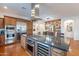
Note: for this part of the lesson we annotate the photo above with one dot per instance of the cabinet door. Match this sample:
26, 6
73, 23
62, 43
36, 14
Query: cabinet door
29, 28
2, 39
58, 52
1, 23
23, 41
13, 21
10, 21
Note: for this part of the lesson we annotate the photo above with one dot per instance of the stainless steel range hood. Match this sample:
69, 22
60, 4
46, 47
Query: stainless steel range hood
35, 12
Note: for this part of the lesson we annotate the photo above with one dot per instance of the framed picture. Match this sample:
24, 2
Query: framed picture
70, 27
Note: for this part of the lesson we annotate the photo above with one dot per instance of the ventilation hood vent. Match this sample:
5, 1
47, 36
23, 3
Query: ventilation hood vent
36, 19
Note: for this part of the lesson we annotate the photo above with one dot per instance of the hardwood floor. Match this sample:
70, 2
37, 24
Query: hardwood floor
13, 50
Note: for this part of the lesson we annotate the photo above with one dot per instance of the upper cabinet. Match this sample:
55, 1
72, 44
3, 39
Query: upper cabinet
9, 20
1, 23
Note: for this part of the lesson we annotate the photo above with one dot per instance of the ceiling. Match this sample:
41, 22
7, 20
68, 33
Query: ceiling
45, 9
20, 9
59, 9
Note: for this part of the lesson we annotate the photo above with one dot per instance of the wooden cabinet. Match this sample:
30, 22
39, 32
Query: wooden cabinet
2, 40
1, 23
58, 52
23, 41
12, 21
29, 28
29, 25
9, 20
2, 37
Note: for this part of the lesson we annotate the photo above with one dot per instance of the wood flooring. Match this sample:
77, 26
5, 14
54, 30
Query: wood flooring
13, 50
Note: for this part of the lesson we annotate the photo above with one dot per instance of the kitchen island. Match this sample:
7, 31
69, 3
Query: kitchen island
49, 41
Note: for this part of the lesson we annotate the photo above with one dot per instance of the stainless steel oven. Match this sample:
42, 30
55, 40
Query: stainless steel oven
30, 44
10, 34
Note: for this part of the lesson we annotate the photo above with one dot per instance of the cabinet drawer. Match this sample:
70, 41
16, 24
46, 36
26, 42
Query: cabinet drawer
55, 54
58, 52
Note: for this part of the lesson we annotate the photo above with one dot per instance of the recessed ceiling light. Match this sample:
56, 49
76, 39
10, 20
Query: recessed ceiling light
37, 6
5, 7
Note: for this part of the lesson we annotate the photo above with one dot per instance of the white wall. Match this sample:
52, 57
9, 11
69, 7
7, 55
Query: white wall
75, 33
76, 28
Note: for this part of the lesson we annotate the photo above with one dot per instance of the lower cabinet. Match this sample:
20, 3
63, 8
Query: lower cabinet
39, 48
2, 40
58, 52
23, 41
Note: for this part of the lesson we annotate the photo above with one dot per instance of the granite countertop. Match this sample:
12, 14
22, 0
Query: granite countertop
49, 41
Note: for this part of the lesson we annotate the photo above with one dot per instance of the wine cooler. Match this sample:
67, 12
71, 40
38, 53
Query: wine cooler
43, 49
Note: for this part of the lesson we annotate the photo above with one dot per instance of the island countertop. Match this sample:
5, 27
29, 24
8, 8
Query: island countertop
49, 40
